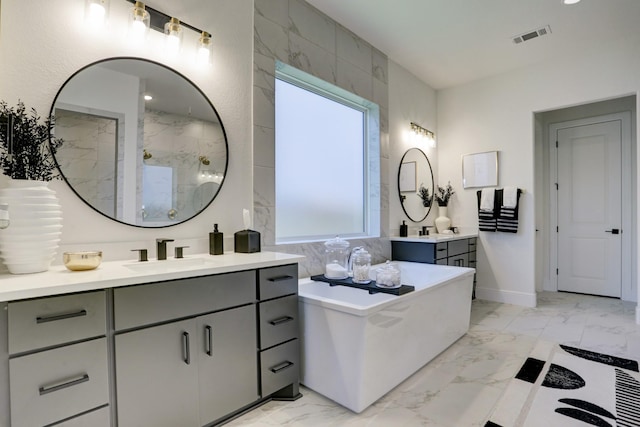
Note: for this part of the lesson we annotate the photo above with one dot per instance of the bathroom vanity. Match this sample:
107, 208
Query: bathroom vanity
443, 249
187, 342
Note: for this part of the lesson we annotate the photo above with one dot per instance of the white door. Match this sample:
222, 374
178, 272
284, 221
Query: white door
589, 209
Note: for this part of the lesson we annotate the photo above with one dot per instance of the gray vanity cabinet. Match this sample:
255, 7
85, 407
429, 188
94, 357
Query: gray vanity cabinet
155, 386
227, 362
279, 326
58, 364
187, 372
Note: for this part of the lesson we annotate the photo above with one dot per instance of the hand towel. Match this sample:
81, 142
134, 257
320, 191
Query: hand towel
487, 218
487, 198
507, 218
510, 197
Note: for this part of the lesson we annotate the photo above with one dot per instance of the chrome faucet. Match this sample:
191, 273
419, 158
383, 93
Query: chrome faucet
161, 248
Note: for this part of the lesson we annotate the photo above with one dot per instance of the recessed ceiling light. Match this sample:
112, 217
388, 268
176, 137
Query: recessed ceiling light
570, 1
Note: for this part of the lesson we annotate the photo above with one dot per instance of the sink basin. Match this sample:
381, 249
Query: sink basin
169, 265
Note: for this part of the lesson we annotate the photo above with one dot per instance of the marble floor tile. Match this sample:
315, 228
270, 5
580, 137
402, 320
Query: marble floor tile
461, 386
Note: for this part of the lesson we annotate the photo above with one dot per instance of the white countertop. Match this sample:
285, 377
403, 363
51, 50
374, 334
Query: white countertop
434, 238
58, 280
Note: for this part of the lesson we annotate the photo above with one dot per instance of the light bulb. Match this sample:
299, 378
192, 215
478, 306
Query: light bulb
173, 33
139, 23
203, 49
96, 13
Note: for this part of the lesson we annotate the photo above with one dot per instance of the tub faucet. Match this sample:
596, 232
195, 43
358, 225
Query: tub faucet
161, 248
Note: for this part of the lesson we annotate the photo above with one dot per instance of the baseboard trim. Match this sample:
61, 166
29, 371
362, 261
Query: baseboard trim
508, 297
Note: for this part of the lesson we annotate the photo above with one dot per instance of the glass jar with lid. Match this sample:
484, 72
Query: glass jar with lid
336, 258
388, 276
361, 263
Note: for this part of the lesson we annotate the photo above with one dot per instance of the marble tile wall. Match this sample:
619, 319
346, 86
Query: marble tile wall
88, 156
178, 141
296, 33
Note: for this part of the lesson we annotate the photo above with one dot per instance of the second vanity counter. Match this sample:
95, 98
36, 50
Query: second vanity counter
434, 238
58, 280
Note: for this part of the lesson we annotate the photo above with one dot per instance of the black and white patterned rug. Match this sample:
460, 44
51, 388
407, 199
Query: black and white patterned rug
563, 386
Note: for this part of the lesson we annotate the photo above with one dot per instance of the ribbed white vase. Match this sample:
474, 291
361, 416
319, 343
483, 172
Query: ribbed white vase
442, 222
30, 243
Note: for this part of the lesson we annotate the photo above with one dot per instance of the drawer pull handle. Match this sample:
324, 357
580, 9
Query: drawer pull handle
186, 352
281, 320
45, 319
441, 250
281, 367
280, 278
209, 340
51, 389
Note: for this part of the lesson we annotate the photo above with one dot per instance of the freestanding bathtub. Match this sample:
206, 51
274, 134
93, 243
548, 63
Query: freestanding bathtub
356, 347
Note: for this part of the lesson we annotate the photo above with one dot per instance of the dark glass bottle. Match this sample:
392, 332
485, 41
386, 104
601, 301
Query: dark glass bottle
216, 242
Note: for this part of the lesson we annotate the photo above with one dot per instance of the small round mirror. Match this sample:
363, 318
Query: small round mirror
415, 184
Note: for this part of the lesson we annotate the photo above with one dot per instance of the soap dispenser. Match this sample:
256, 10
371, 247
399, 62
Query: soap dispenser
404, 230
216, 242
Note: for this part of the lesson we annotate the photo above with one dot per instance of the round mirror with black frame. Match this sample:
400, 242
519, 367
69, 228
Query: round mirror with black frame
143, 145
415, 184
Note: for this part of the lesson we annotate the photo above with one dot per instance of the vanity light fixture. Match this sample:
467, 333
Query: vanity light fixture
424, 134
143, 18
148, 97
95, 12
570, 1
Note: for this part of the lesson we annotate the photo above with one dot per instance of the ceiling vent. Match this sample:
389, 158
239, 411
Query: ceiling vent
532, 35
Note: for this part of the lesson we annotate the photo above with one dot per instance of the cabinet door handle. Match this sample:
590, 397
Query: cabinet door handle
281, 367
280, 278
50, 389
208, 336
186, 351
53, 318
281, 320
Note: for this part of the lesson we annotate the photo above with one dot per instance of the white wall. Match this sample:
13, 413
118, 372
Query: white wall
410, 100
497, 113
40, 49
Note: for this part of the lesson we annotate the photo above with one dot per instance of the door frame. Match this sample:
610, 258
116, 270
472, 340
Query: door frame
626, 291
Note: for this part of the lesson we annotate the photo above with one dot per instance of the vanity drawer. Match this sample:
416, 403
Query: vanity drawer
278, 321
441, 250
158, 302
280, 366
56, 384
45, 322
457, 247
459, 260
98, 418
278, 281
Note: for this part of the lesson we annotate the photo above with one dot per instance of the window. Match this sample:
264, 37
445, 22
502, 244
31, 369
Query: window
327, 160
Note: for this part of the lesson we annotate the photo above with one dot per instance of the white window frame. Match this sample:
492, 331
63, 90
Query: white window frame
371, 149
